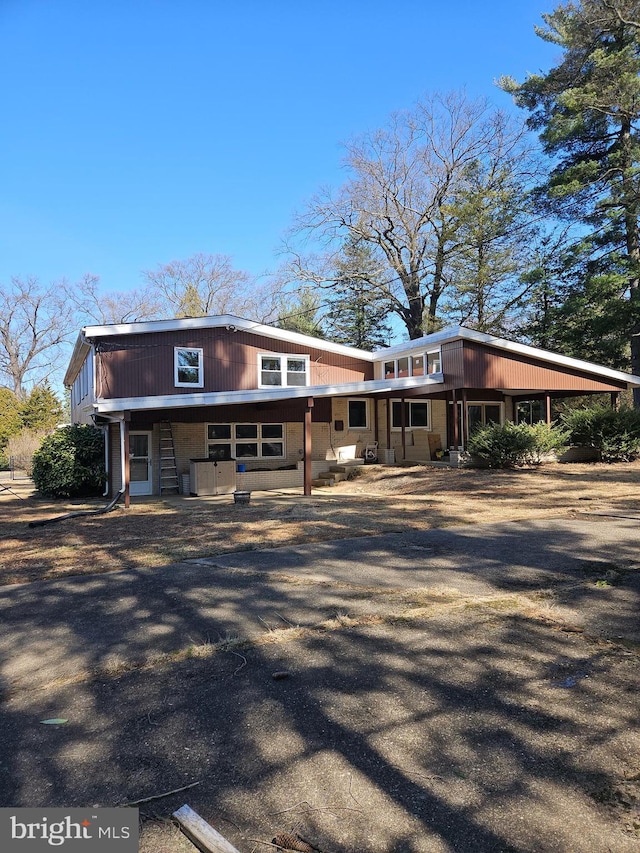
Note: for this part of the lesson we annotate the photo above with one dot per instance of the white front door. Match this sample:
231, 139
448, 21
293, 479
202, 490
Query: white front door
140, 469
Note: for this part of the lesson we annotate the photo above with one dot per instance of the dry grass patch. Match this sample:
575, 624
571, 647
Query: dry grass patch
381, 500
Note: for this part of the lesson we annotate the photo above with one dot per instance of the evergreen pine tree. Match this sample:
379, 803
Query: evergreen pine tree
42, 409
300, 313
587, 110
358, 311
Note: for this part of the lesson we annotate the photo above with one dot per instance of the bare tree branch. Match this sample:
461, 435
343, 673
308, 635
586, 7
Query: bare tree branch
35, 322
401, 199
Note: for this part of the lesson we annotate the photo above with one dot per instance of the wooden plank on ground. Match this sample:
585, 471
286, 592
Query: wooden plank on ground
201, 833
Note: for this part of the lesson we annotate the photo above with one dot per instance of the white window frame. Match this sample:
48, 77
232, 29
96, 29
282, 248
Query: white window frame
366, 414
260, 440
483, 403
436, 351
176, 366
283, 356
409, 426
410, 356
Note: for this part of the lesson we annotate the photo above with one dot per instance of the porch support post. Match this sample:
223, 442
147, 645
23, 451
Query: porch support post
124, 450
376, 422
388, 423
464, 427
307, 447
456, 424
547, 408
615, 400
403, 427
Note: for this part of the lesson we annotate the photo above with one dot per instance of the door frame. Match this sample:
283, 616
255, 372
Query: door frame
142, 487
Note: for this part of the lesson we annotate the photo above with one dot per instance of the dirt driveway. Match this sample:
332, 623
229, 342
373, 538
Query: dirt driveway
424, 708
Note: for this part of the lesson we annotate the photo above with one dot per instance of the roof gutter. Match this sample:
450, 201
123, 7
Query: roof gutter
219, 398
81, 350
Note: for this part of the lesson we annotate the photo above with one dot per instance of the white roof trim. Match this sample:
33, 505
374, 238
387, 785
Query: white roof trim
80, 351
447, 335
224, 321
262, 395
453, 333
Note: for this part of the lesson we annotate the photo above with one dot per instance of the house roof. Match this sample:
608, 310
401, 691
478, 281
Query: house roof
453, 333
225, 321
231, 322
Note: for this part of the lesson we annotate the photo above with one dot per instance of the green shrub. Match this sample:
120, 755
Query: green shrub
507, 445
548, 440
70, 463
502, 445
614, 434
10, 422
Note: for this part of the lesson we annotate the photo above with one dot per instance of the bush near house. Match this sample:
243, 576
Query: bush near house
509, 445
614, 434
70, 463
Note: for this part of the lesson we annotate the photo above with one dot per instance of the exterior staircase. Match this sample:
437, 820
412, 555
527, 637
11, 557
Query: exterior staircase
168, 470
336, 473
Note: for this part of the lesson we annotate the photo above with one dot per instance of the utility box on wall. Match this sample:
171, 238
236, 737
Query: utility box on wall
212, 478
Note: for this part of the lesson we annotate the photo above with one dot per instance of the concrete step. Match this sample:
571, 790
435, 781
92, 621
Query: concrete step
346, 467
333, 476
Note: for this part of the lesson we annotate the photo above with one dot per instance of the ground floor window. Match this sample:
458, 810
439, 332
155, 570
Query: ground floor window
245, 441
358, 414
531, 412
481, 414
416, 414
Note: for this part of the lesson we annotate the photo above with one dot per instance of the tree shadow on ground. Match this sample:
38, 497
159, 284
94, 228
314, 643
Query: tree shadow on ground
468, 728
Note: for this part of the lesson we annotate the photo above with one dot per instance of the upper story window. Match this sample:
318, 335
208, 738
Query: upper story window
83, 383
188, 367
282, 370
413, 365
434, 362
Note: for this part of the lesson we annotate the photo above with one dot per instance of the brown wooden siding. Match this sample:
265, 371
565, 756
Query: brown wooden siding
260, 413
489, 368
143, 365
452, 366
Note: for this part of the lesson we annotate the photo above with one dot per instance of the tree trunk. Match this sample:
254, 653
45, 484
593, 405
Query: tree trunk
437, 286
632, 238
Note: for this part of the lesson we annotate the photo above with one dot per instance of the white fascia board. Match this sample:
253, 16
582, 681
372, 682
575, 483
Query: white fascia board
224, 321
460, 333
80, 351
188, 401
418, 344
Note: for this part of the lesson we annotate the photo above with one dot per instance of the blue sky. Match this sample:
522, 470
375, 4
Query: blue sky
139, 132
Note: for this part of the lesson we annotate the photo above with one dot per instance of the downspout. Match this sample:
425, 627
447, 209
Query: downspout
122, 454
105, 433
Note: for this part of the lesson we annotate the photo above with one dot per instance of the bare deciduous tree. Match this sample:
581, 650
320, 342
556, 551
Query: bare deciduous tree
119, 306
35, 322
207, 284
402, 200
